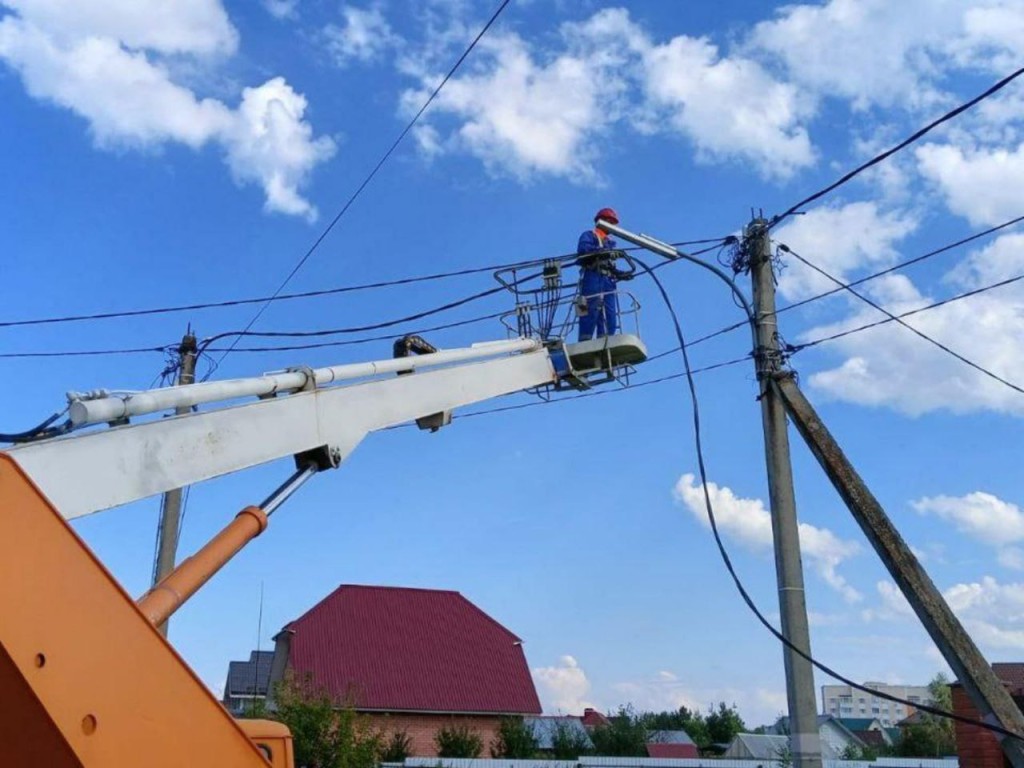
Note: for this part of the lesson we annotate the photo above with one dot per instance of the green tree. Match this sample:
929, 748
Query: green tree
458, 740
853, 752
514, 740
784, 757
625, 735
396, 747
682, 719
931, 736
723, 723
568, 743
325, 735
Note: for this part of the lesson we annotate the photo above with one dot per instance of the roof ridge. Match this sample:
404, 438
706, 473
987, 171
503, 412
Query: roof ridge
398, 589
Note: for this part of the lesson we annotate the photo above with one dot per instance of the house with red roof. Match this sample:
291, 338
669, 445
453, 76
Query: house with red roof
413, 660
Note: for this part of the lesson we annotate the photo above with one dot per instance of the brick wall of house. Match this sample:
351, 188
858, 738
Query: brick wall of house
976, 747
421, 729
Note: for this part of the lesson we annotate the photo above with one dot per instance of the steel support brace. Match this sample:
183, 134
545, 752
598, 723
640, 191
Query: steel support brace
987, 692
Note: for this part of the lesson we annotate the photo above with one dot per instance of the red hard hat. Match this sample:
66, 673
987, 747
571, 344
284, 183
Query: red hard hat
608, 214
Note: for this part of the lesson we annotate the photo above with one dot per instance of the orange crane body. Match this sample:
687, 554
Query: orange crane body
86, 678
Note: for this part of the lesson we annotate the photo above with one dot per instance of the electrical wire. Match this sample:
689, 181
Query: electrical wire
867, 278
39, 431
84, 352
369, 339
904, 264
177, 308
945, 348
601, 392
935, 305
731, 569
355, 195
261, 299
893, 150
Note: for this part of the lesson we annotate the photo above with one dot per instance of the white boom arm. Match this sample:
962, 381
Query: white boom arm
92, 471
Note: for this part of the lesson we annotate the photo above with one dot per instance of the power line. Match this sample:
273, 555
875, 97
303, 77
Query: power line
205, 348
353, 329
867, 326
904, 264
176, 308
83, 353
261, 299
891, 316
600, 392
902, 145
373, 172
859, 281
367, 339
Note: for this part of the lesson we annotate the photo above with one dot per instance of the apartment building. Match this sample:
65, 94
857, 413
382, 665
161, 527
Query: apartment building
844, 702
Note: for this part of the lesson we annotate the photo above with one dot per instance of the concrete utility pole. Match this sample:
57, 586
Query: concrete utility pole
987, 692
170, 506
805, 742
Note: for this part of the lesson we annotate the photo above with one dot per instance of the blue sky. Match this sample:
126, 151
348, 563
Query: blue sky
196, 156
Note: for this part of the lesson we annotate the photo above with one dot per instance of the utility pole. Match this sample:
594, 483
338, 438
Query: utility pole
805, 742
170, 506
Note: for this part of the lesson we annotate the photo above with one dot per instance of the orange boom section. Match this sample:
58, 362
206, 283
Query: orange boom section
85, 678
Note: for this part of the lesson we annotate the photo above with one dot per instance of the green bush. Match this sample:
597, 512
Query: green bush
325, 735
396, 747
458, 740
568, 743
515, 740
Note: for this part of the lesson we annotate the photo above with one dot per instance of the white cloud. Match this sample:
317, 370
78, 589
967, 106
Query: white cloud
1001, 259
730, 107
891, 366
980, 515
103, 63
868, 239
519, 116
977, 183
893, 607
184, 26
992, 612
984, 517
564, 688
270, 143
747, 521
364, 36
524, 109
281, 9
823, 46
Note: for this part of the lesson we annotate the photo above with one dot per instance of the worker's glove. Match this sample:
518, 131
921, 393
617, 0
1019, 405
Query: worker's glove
620, 276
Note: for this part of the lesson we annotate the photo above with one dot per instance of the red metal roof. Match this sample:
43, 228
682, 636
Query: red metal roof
398, 649
672, 750
593, 719
1010, 672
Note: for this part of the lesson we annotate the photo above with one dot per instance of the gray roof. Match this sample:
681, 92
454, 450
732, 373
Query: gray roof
545, 728
249, 678
669, 737
762, 747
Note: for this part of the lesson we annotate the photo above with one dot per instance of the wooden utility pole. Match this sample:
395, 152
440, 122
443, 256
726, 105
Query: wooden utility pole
805, 742
170, 506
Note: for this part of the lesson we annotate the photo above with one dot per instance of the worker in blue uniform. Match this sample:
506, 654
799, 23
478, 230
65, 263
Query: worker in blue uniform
596, 253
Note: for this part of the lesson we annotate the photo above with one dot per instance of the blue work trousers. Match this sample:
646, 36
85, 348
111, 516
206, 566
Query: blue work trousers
602, 305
